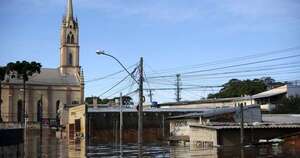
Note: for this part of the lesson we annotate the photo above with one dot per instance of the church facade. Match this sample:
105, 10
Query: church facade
53, 88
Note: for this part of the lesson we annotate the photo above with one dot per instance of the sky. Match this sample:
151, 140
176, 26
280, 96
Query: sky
173, 36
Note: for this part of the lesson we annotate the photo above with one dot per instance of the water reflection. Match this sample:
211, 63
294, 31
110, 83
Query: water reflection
50, 147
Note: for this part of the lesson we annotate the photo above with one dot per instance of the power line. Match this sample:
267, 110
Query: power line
240, 71
109, 75
115, 85
230, 66
119, 82
258, 55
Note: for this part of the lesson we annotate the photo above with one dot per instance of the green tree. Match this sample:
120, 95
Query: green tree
237, 88
23, 70
89, 100
288, 105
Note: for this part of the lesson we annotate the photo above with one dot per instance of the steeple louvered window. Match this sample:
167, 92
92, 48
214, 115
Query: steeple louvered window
70, 38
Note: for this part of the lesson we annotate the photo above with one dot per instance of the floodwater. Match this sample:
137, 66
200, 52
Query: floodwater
50, 147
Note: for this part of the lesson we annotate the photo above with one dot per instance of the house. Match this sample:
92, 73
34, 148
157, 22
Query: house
269, 99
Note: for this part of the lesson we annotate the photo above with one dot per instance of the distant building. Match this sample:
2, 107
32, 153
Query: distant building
210, 103
269, 99
180, 125
53, 88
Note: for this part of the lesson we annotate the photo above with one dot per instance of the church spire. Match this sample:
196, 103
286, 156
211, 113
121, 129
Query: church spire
70, 10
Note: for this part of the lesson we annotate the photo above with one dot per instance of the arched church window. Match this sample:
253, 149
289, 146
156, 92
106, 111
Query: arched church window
20, 110
72, 38
39, 111
68, 39
57, 105
70, 59
57, 113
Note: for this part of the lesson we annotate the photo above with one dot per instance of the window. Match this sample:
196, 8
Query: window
39, 111
70, 59
20, 110
70, 38
75, 102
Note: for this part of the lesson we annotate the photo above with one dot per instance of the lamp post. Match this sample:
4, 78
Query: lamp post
141, 100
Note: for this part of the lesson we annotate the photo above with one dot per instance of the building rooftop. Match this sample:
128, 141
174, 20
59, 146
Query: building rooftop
272, 92
117, 109
49, 76
218, 127
281, 118
214, 100
213, 112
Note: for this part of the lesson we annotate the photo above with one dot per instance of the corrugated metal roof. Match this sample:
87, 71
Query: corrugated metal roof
117, 109
281, 118
247, 126
213, 112
214, 100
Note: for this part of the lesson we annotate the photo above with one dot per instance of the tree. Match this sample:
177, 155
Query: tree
237, 88
288, 105
89, 100
23, 70
2, 78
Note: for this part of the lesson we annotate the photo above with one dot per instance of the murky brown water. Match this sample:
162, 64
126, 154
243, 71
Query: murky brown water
50, 147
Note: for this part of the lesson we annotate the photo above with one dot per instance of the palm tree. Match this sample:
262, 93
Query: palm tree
23, 70
2, 77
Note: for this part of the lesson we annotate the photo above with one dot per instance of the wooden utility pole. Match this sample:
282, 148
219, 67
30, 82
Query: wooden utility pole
140, 115
150, 95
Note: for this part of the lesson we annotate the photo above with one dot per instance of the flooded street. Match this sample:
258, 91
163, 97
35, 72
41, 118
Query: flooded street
52, 147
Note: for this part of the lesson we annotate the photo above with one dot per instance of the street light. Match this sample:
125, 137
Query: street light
141, 100
101, 52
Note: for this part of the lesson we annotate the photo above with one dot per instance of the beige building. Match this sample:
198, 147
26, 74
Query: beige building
53, 88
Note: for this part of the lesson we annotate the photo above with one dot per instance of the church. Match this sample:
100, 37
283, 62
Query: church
53, 88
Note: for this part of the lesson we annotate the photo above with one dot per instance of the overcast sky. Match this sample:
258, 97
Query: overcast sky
167, 33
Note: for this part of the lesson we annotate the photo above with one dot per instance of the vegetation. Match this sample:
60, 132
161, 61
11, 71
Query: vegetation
125, 100
23, 70
237, 88
290, 105
89, 100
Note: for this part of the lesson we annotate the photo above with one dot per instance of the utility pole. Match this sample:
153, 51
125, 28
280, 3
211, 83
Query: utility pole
140, 115
178, 88
121, 124
150, 95
242, 124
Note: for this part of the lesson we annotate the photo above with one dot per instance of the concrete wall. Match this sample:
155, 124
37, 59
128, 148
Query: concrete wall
203, 137
181, 127
76, 113
250, 115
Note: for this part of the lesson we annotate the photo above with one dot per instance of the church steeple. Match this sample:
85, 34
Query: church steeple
69, 41
69, 14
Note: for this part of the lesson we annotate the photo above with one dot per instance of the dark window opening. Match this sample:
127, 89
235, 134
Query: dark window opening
70, 59
20, 111
70, 38
39, 111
